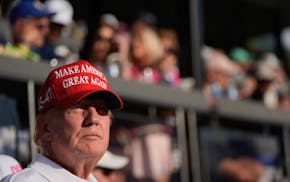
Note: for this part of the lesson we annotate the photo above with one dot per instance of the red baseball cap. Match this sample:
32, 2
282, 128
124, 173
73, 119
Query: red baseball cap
68, 84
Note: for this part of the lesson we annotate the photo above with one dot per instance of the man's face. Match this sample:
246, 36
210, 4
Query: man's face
80, 130
43, 26
25, 31
55, 32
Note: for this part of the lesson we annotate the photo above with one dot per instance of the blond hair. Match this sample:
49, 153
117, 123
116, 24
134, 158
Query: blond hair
150, 40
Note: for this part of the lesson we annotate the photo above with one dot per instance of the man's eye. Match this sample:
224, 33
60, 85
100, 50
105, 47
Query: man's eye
85, 107
102, 111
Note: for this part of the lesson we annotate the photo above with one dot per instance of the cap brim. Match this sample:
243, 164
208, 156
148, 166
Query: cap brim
43, 13
27, 9
112, 161
113, 100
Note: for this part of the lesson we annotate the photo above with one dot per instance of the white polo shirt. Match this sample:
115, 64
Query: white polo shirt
42, 169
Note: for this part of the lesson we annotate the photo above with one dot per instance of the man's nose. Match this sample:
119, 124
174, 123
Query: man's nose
92, 116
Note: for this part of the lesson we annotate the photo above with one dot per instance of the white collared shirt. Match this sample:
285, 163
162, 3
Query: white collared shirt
42, 169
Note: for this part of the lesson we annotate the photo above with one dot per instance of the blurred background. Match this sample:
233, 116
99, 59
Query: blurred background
205, 83
224, 24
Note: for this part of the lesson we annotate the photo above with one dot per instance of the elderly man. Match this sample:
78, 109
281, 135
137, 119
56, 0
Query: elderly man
73, 124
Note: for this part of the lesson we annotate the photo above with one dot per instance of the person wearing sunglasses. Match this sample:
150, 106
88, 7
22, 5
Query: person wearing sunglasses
72, 126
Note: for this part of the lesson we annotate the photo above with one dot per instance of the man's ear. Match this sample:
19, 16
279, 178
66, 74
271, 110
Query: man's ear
42, 126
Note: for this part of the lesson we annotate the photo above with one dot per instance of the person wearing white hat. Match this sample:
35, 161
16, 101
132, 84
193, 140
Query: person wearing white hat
63, 10
108, 168
62, 19
8, 165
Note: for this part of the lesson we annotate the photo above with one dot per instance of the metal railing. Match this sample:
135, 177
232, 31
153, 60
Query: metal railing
186, 104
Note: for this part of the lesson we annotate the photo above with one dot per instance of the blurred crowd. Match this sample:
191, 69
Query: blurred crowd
239, 75
48, 32
144, 52
140, 51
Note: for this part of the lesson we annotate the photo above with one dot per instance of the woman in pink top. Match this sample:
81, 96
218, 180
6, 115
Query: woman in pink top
146, 52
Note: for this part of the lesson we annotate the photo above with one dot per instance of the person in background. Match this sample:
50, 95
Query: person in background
246, 81
146, 52
109, 168
72, 126
52, 49
8, 165
27, 31
247, 169
119, 60
220, 74
270, 78
104, 41
109, 49
168, 67
243, 169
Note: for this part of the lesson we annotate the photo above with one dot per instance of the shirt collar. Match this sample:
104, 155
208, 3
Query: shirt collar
54, 172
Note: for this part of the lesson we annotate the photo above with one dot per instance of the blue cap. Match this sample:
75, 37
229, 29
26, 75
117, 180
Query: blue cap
28, 8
